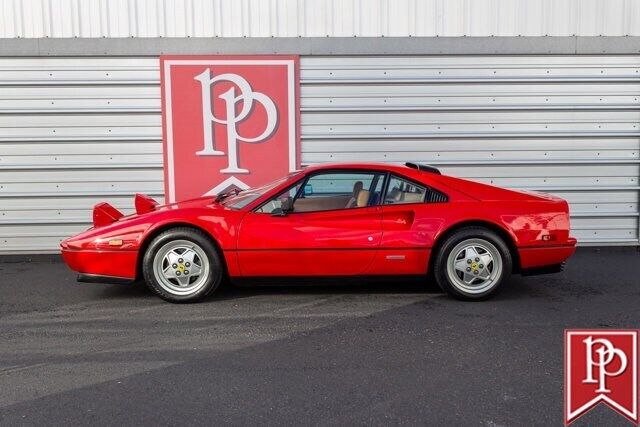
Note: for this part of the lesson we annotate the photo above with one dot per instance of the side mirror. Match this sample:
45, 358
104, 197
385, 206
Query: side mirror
286, 204
285, 207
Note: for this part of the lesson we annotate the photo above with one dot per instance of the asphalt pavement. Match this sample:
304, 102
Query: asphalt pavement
397, 352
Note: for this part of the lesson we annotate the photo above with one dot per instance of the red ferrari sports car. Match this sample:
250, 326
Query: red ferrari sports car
334, 220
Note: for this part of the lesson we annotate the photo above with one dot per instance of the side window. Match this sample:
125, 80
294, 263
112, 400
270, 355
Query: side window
339, 190
401, 191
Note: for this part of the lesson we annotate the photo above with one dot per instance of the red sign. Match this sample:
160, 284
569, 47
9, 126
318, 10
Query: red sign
601, 366
228, 122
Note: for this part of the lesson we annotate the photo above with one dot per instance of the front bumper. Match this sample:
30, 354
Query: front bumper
119, 264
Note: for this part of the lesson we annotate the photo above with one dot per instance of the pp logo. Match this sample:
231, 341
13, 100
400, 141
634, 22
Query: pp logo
601, 366
245, 99
228, 122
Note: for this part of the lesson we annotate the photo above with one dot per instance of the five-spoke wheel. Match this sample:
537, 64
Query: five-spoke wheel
472, 263
182, 265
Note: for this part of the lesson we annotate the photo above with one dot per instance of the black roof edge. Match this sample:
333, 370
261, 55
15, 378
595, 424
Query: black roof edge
423, 168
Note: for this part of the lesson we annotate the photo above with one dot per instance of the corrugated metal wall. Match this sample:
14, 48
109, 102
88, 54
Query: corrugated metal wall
308, 18
75, 131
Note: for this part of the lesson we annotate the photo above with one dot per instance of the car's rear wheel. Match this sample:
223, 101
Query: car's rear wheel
472, 264
182, 265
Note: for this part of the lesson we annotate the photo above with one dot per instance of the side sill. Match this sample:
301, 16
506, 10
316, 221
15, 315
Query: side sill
97, 278
251, 281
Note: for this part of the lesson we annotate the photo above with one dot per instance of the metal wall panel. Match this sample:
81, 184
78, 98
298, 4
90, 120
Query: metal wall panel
568, 125
76, 131
317, 18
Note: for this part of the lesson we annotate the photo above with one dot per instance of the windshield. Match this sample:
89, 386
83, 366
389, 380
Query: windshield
243, 198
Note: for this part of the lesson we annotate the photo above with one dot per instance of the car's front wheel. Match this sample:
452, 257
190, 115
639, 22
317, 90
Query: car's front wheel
472, 264
182, 265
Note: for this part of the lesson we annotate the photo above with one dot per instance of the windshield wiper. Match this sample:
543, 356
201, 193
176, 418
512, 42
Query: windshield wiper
220, 197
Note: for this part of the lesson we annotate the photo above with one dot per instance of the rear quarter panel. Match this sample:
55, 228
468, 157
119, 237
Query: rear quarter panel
531, 220
526, 222
414, 230
525, 216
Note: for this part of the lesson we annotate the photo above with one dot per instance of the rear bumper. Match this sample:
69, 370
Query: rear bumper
546, 256
113, 264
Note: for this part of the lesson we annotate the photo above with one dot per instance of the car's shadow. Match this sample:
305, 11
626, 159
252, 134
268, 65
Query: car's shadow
247, 289
517, 288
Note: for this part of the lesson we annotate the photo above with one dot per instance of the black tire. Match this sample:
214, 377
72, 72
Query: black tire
209, 281
483, 237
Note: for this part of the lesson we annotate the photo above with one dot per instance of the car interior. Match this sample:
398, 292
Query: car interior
343, 190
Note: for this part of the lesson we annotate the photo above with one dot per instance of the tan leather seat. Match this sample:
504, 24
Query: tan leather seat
353, 201
363, 198
413, 197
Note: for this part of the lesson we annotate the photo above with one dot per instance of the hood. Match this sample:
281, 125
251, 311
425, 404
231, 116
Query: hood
105, 214
191, 203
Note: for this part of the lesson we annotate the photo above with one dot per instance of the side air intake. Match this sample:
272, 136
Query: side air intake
434, 196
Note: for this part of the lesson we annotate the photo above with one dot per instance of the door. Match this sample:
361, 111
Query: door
332, 227
409, 224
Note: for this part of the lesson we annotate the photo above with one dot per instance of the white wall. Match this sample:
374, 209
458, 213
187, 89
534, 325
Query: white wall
309, 18
76, 131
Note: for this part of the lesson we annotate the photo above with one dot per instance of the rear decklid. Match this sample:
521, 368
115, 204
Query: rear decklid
487, 192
